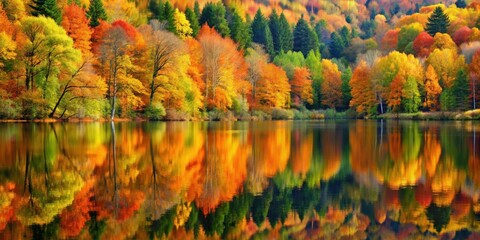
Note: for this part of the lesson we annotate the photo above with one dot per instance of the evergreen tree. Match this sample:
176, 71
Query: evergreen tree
337, 45
285, 34
169, 17
154, 8
304, 39
239, 30
437, 22
274, 25
460, 91
193, 19
213, 14
96, 12
196, 9
47, 8
461, 4
261, 33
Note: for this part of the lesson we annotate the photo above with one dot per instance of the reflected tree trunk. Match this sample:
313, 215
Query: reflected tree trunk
114, 159
154, 176
45, 157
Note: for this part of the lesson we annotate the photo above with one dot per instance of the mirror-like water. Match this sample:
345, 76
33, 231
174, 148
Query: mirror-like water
352, 179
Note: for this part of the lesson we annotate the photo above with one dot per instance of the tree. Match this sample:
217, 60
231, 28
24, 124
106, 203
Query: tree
314, 64
394, 99
407, 35
438, 22
337, 45
193, 19
302, 85
213, 14
460, 91
168, 17
422, 44
96, 12
332, 84
274, 25
261, 33
76, 24
346, 89
285, 34
432, 89
475, 77
273, 89
304, 38
47, 8
461, 4
182, 25
240, 30
411, 96
363, 95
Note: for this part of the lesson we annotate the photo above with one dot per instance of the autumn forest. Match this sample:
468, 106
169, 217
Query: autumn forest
184, 60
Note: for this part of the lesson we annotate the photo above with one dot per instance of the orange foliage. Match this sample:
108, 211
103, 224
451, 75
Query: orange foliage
363, 95
98, 35
390, 40
75, 22
302, 152
394, 99
195, 69
73, 218
331, 85
302, 85
432, 89
130, 201
332, 152
432, 150
273, 89
423, 195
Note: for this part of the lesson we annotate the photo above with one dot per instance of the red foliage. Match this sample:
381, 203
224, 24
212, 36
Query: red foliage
390, 40
98, 34
462, 35
423, 195
422, 44
129, 29
73, 218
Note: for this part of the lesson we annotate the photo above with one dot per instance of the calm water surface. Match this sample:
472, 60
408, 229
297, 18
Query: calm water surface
318, 180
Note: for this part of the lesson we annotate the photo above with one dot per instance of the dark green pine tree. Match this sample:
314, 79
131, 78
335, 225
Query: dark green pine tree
286, 35
96, 12
437, 22
239, 30
193, 19
460, 91
169, 17
261, 33
156, 9
461, 4
47, 8
213, 14
274, 25
196, 9
337, 45
304, 39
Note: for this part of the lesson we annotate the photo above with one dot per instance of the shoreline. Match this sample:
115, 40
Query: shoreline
471, 115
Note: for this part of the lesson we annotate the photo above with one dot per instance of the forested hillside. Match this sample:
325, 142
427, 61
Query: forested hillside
233, 59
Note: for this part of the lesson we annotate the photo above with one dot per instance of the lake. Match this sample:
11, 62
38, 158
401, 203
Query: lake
275, 179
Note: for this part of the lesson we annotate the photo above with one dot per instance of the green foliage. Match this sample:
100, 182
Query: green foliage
406, 36
214, 222
438, 22
164, 225
96, 227
9, 109
155, 111
282, 114
346, 89
274, 25
337, 45
291, 60
261, 33
304, 38
260, 206
314, 63
33, 105
461, 91
240, 30
410, 96
47, 8
461, 4
96, 12
193, 19
213, 14
285, 34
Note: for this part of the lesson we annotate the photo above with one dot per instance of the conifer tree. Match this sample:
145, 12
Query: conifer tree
239, 30
193, 19
261, 32
274, 25
437, 22
285, 34
213, 14
169, 17
304, 39
47, 8
96, 12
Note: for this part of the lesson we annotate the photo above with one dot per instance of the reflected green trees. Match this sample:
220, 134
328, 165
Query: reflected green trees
355, 179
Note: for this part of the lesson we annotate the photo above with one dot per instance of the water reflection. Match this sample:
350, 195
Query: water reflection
352, 179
